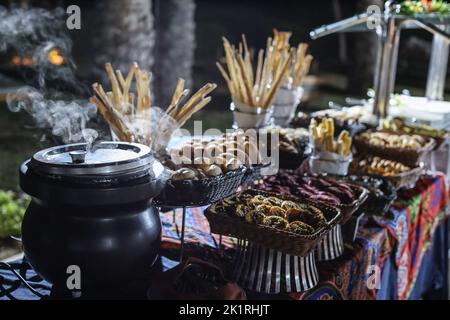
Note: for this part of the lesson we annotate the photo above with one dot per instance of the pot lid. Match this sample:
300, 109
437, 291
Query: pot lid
106, 158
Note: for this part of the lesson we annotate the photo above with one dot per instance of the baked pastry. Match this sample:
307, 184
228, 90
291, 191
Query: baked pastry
255, 216
379, 166
242, 210
286, 205
384, 139
277, 211
275, 222
213, 171
263, 210
300, 228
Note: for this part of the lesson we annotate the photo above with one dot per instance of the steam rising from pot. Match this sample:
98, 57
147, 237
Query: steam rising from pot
66, 120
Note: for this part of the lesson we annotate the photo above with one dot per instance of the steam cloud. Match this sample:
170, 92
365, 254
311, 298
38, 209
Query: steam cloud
67, 120
35, 31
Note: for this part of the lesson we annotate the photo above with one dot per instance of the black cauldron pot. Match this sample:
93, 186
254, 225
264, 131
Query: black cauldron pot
92, 210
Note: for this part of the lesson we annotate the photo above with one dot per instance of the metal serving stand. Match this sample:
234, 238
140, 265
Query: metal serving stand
388, 26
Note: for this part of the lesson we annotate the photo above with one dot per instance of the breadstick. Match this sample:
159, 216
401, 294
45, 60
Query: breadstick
271, 95
114, 85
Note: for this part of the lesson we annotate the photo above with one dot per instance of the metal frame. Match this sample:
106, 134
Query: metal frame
389, 27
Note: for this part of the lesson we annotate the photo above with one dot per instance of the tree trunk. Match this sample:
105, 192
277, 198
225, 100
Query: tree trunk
122, 32
175, 46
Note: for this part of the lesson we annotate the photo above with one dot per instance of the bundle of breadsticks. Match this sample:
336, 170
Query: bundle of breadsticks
301, 61
254, 88
257, 88
322, 136
131, 115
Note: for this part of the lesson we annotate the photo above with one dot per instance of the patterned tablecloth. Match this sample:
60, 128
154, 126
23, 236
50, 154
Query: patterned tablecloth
405, 235
405, 232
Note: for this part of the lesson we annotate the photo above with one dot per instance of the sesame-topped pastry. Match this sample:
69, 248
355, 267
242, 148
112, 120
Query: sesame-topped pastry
264, 208
274, 201
275, 222
242, 210
255, 217
300, 228
286, 205
277, 211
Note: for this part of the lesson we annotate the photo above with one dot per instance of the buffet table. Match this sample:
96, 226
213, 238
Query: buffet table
409, 246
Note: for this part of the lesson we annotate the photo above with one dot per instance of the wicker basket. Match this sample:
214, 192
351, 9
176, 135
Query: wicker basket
408, 157
348, 210
440, 141
379, 205
187, 193
406, 180
375, 204
254, 173
279, 240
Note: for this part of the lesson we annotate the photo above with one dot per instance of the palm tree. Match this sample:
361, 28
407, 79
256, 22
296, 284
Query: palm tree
175, 47
122, 32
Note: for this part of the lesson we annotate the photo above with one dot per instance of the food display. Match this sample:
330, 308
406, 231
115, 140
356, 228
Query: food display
205, 171
329, 155
130, 114
409, 149
379, 166
196, 160
291, 90
254, 88
345, 196
313, 188
273, 212
257, 87
291, 140
342, 121
399, 126
389, 140
301, 62
282, 223
322, 136
399, 174
293, 146
381, 193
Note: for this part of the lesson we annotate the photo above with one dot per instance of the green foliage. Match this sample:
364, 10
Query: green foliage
12, 209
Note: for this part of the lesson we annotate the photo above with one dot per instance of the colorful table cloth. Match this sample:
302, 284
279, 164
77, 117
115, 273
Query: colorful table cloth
397, 242
405, 233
